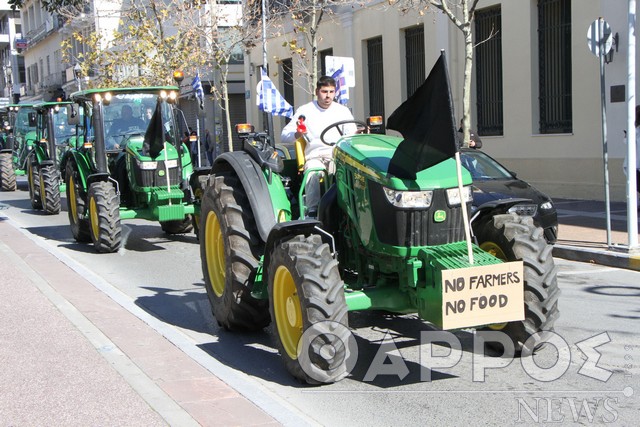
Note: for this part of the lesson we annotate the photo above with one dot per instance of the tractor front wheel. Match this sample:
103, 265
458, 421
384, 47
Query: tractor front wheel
511, 237
50, 190
104, 217
230, 250
7, 173
34, 190
309, 310
76, 205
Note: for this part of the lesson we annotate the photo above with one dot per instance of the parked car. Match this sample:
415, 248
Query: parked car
493, 181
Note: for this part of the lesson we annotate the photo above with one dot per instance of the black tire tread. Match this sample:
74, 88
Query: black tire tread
236, 309
50, 194
107, 203
80, 225
519, 239
321, 294
7, 173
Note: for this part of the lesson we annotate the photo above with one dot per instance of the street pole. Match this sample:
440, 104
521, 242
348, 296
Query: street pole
266, 64
605, 150
632, 201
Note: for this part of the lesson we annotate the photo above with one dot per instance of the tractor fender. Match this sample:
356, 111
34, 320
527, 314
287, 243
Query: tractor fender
84, 169
283, 230
496, 207
255, 187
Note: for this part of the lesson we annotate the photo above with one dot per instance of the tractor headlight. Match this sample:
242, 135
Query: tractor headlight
453, 195
147, 165
524, 209
171, 163
408, 199
546, 205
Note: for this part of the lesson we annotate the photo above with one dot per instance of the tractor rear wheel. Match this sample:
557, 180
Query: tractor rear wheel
511, 237
104, 217
50, 189
7, 173
34, 190
76, 205
230, 251
309, 310
179, 226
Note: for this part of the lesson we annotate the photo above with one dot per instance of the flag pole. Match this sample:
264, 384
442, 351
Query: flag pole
463, 206
265, 62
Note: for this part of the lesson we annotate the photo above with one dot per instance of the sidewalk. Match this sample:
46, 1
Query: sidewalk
582, 233
71, 355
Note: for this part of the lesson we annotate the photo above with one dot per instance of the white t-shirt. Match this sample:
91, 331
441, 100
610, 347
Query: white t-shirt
318, 119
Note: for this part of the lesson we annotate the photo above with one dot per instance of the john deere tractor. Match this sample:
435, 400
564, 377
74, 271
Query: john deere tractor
129, 163
53, 138
19, 142
390, 235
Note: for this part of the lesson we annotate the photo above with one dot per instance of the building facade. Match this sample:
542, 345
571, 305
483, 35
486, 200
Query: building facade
535, 98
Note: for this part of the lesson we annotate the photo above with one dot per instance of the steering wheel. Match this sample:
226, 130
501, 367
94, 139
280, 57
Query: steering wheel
360, 126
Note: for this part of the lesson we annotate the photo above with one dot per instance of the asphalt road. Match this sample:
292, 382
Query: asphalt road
569, 382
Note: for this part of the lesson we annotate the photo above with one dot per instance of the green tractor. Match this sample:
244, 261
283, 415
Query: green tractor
19, 142
54, 136
129, 163
390, 235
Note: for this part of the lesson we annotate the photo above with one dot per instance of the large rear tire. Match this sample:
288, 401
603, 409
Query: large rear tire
104, 217
309, 310
511, 237
76, 205
7, 173
50, 189
230, 250
34, 186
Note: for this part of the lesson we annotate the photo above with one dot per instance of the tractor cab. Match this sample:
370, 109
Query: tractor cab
22, 134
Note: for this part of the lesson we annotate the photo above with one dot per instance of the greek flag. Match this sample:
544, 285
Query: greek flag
196, 84
342, 91
269, 99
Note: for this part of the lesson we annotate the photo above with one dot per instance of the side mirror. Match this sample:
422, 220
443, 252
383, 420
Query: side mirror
73, 118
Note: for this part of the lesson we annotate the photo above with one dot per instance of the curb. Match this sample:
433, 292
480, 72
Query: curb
609, 258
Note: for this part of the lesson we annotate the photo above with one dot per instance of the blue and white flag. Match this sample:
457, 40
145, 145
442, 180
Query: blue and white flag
196, 84
269, 99
342, 91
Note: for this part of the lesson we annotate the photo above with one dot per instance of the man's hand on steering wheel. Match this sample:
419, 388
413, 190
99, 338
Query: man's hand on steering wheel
361, 127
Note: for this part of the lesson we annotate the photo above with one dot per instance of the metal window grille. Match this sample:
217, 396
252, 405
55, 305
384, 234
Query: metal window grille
414, 57
489, 96
322, 63
287, 82
375, 68
554, 57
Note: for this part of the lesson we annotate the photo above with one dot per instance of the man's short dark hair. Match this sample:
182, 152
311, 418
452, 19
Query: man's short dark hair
325, 81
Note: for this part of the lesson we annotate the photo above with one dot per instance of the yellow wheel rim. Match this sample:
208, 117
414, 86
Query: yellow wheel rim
214, 251
30, 178
43, 193
494, 250
93, 213
287, 310
497, 252
72, 200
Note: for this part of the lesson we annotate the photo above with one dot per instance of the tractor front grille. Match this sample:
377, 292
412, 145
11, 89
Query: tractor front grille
156, 177
415, 227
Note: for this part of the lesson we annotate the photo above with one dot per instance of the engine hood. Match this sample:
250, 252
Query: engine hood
372, 153
496, 189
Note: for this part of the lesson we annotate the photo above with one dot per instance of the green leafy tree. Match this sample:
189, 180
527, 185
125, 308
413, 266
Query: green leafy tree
153, 38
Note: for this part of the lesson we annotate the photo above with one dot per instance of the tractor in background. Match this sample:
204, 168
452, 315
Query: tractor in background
18, 143
129, 163
54, 136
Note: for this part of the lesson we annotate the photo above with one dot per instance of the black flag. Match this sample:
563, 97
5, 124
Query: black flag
427, 124
154, 137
